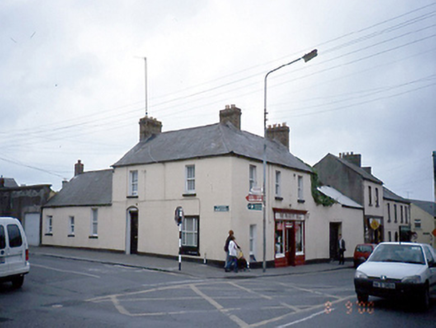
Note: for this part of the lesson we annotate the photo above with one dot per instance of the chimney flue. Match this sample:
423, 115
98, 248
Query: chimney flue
149, 126
231, 114
279, 132
78, 168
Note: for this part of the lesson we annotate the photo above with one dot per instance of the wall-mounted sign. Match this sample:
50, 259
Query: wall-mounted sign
255, 206
221, 208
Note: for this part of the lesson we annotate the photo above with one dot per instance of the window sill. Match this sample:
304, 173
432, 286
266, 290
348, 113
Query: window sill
93, 237
190, 194
301, 201
279, 198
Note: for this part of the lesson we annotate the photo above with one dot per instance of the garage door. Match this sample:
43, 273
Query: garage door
32, 228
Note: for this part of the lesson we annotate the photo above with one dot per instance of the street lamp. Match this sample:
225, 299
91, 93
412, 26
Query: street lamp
306, 58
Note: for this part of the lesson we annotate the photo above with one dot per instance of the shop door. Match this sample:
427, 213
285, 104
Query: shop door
290, 243
133, 232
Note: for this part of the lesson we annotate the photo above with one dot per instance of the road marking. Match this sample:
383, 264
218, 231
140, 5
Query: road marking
304, 319
65, 271
250, 291
219, 307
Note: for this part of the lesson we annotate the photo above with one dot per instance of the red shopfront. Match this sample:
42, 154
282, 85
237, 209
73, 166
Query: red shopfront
289, 237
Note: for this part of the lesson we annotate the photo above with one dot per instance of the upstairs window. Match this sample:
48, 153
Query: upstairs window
376, 198
190, 179
402, 216
133, 183
252, 177
278, 190
94, 222
370, 195
300, 188
395, 213
71, 225
417, 223
389, 212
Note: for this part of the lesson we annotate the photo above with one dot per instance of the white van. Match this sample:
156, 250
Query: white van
14, 252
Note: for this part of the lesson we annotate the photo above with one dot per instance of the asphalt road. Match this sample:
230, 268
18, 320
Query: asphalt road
71, 293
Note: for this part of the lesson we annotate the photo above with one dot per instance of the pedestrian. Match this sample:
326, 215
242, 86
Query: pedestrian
341, 249
226, 247
233, 255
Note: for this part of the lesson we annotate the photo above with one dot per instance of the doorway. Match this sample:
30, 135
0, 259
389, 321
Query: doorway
290, 243
335, 229
133, 231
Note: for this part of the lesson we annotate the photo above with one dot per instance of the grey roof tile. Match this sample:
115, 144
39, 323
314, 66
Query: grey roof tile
207, 141
93, 188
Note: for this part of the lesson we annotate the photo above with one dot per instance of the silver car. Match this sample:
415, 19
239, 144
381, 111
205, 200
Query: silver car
398, 270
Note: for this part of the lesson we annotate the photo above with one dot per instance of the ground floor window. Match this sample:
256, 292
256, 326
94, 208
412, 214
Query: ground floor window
190, 235
253, 233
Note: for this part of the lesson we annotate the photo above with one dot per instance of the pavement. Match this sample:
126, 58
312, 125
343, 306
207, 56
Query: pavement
193, 269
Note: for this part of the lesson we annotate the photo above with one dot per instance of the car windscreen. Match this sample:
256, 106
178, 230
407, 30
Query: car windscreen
398, 253
364, 249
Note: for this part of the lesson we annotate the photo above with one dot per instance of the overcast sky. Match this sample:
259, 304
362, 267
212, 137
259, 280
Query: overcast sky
73, 80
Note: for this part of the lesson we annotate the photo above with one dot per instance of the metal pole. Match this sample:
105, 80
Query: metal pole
180, 246
146, 97
306, 58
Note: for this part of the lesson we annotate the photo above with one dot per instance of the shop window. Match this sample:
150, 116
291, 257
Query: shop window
299, 237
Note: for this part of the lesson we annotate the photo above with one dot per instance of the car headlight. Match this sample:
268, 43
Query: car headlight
360, 275
411, 279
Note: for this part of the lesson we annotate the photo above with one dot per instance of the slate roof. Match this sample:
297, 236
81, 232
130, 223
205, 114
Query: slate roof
207, 141
93, 188
387, 194
364, 174
339, 197
429, 207
10, 183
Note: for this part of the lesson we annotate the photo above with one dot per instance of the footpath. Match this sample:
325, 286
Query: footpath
194, 269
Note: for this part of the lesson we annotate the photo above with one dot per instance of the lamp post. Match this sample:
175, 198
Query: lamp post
306, 58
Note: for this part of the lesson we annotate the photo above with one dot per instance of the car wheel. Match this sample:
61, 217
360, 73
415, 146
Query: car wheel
362, 298
425, 301
18, 281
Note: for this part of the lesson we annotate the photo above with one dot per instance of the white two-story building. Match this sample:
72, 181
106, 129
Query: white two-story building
208, 171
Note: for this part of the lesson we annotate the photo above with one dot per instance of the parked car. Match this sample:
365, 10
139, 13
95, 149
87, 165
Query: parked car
14, 252
398, 270
362, 252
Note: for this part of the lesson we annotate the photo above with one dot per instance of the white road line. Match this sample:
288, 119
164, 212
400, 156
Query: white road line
304, 319
66, 271
219, 307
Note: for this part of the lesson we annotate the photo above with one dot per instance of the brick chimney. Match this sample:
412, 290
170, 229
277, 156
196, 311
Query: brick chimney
231, 114
355, 159
149, 126
78, 168
279, 132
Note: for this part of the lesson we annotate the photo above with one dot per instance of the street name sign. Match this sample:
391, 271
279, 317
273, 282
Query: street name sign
255, 206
